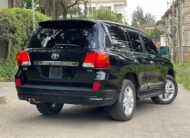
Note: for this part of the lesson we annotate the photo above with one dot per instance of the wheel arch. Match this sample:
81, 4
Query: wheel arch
134, 78
171, 72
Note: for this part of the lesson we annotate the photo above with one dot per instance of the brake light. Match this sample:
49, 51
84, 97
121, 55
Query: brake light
96, 86
89, 61
99, 60
17, 82
23, 58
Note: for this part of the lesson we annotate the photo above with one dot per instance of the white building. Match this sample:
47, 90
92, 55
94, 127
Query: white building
118, 6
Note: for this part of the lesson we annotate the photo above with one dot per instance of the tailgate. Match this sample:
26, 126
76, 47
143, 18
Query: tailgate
58, 67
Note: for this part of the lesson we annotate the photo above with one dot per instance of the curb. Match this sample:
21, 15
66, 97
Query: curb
2, 100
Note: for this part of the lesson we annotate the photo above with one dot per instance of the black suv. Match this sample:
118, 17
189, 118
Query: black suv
91, 62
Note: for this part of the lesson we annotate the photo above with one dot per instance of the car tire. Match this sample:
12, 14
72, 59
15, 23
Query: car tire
49, 108
171, 91
123, 109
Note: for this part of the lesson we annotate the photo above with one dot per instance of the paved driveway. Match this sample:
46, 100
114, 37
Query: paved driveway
21, 120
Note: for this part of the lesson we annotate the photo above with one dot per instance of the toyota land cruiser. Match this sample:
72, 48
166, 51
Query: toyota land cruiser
92, 62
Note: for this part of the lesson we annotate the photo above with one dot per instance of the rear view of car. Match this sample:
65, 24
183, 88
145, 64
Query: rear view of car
63, 64
97, 63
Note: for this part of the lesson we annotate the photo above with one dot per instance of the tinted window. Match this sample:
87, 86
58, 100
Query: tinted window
128, 38
107, 42
149, 46
64, 38
117, 35
135, 42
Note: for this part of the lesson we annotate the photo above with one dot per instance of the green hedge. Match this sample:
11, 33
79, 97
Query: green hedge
105, 14
15, 25
183, 74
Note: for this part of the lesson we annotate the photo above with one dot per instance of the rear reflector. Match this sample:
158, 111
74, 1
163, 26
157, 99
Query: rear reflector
96, 86
99, 60
17, 82
23, 58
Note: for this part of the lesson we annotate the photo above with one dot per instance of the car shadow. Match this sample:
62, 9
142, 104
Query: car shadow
86, 114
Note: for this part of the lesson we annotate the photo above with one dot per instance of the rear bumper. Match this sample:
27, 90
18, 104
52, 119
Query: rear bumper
68, 95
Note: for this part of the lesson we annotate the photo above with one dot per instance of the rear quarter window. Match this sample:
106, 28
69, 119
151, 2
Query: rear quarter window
117, 36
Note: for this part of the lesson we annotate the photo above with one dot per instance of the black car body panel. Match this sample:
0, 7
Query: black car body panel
57, 74
71, 95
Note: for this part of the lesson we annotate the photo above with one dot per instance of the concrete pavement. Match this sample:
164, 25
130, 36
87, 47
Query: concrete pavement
18, 119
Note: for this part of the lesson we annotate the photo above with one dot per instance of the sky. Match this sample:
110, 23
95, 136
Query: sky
155, 7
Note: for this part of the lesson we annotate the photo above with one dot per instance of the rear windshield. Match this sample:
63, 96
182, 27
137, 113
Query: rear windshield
64, 38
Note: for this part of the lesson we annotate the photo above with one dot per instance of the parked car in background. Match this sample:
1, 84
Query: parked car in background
90, 62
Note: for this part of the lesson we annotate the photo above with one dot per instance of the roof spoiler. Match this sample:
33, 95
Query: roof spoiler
67, 24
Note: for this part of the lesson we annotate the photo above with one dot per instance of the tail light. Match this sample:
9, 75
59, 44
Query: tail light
96, 86
23, 58
17, 82
99, 60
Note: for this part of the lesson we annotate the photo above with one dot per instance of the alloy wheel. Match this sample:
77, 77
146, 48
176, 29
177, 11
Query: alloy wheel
128, 101
169, 91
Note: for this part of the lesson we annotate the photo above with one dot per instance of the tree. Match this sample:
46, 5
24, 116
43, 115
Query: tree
50, 8
85, 2
39, 5
67, 6
149, 19
15, 3
105, 14
75, 11
155, 34
53, 8
139, 18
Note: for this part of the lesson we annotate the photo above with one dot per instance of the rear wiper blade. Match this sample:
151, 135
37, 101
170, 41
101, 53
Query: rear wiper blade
65, 45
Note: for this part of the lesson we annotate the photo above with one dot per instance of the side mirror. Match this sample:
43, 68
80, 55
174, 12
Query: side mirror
164, 50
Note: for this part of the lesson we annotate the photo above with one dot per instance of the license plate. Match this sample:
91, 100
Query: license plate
55, 73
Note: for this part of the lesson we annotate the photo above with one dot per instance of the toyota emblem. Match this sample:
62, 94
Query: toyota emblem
55, 56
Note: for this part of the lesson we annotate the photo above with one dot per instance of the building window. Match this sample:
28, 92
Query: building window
119, 15
93, 8
118, 7
106, 7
